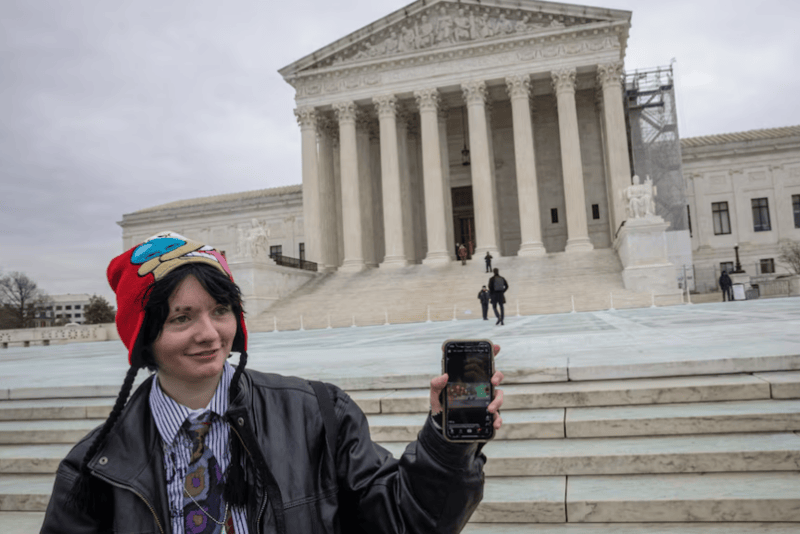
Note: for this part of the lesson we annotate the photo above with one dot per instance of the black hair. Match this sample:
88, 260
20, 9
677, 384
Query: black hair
87, 493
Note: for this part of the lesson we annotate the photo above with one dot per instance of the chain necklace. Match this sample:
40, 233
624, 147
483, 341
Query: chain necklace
224, 515
200, 508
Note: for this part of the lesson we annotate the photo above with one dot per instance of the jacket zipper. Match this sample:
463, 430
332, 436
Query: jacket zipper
145, 501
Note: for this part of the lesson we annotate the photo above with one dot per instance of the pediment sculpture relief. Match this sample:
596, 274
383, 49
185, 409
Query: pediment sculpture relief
448, 25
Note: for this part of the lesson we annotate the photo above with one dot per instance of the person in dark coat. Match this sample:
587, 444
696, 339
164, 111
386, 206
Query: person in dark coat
484, 297
488, 260
497, 288
726, 285
205, 447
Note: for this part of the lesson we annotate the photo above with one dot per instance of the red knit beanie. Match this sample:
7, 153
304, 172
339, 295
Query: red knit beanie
131, 273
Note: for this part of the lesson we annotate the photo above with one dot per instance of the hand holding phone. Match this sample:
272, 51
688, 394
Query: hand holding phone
469, 366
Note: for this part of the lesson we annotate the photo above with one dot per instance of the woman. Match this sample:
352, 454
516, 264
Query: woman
206, 448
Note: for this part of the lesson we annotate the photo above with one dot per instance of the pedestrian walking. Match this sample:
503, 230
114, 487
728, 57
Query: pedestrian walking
484, 296
488, 260
497, 288
462, 254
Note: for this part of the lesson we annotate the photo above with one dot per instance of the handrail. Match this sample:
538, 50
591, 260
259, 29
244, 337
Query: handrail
295, 263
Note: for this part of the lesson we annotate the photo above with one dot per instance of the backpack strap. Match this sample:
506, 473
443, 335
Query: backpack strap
328, 415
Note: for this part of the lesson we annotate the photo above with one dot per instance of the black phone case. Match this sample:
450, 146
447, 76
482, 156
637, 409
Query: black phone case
444, 397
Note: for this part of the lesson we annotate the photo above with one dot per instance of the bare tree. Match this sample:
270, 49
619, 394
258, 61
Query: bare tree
790, 254
21, 299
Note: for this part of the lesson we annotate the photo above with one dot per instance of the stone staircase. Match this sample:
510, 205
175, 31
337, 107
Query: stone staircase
694, 454
554, 283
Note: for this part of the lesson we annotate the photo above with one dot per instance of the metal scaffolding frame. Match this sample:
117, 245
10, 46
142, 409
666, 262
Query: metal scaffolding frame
655, 146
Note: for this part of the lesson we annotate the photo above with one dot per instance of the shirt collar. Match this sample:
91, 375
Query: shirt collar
169, 414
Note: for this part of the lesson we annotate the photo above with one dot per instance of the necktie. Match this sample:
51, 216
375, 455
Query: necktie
203, 507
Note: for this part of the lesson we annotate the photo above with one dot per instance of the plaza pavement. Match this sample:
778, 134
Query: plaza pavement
747, 336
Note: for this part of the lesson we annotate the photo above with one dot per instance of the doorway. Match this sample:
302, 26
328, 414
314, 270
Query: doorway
463, 219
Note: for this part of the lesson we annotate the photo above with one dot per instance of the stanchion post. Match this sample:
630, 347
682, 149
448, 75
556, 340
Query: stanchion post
386, 313
354, 322
572, 297
611, 298
652, 299
518, 315
275, 321
429, 314
454, 312
301, 322
329, 321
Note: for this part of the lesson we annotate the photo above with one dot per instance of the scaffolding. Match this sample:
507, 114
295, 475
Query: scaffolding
655, 146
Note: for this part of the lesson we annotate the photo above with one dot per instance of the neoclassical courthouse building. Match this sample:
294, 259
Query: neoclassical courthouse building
510, 127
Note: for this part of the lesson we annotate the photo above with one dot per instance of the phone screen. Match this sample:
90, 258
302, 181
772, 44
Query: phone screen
469, 392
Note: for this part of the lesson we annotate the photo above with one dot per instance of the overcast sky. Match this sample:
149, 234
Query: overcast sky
108, 107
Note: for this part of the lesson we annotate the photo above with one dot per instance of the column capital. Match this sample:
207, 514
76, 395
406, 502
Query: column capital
427, 99
386, 106
474, 92
610, 74
306, 117
564, 80
518, 86
345, 111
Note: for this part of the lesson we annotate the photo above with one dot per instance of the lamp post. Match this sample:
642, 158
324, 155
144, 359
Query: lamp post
738, 266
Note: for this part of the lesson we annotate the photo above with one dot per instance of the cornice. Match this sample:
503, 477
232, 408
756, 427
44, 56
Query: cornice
548, 45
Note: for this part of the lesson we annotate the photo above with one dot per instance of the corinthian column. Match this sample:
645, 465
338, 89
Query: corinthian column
312, 220
428, 102
519, 90
609, 77
393, 224
351, 198
483, 193
327, 196
571, 164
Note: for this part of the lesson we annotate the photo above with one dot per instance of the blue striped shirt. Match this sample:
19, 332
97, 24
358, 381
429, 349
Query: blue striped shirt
169, 417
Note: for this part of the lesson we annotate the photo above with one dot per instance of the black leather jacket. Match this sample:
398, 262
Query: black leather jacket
434, 487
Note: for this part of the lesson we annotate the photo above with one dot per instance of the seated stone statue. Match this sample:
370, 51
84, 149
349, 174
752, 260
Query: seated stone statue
640, 199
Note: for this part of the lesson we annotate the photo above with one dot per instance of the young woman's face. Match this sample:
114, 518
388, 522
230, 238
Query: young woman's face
197, 335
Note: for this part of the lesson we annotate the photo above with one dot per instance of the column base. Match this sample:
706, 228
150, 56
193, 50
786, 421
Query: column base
532, 249
579, 244
353, 266
437, 258
394, 262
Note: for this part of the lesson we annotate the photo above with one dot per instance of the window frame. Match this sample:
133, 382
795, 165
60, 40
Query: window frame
761, 219
717, 212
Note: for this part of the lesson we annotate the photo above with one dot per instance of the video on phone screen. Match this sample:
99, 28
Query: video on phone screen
468, 391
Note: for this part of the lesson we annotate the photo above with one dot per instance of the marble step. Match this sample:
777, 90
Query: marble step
718, 497
690, 418
631, 528
590, 393
63, 408
21, 522
639, 455
21, 459
783, 384
517, 424
49, 431
733, 497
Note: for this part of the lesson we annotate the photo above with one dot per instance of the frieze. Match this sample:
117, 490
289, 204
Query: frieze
459, 61
793, 175
448, 25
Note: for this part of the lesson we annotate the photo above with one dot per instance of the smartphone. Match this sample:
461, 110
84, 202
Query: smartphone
469, 364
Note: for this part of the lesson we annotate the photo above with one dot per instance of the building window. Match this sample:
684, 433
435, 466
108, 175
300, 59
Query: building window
58, 316
58, 308
796, 207
767, 266
77, 315
69, 307
726, 266
595, 211
275, 250
302, 251
760, 215
77, 306
689, 218
554, 215
722, 219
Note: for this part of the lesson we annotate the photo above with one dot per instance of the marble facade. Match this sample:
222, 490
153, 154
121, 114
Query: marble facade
532, 90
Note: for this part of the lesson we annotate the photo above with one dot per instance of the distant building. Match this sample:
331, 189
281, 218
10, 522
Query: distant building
69, 308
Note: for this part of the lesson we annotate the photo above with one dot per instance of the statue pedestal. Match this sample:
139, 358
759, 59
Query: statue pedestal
263, 283
642, 248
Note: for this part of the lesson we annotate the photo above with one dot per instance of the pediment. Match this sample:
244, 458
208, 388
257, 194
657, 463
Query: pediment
426, 26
